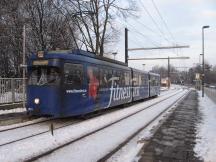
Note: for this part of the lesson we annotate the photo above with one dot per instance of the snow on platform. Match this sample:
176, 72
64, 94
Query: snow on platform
206, 136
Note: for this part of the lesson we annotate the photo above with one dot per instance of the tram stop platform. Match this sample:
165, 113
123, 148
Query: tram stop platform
176, 139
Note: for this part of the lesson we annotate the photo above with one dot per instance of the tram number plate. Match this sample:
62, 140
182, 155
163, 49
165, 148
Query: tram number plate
40, 62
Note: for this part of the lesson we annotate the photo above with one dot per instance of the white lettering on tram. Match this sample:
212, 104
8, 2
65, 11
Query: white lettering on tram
76, 91
118, 93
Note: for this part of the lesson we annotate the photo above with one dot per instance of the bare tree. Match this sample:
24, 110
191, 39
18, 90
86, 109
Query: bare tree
51, 24
11, 20
48, 28
95, 20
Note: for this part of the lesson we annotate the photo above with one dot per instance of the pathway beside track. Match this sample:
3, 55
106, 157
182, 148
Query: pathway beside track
175, 139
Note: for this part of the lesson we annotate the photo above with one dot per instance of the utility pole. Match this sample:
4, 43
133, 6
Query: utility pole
143, 67
24, 64
203, 60
126, 46
168, 71
163, 58
146, 48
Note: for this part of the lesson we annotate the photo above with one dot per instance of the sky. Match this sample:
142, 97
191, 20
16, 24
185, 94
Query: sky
183, 26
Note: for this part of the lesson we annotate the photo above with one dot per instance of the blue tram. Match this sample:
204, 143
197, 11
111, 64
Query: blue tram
71, 83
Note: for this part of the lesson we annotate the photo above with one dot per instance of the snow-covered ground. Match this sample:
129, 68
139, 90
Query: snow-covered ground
34, 146
130, 151
94, 147
12, 126
16, 110
206, 140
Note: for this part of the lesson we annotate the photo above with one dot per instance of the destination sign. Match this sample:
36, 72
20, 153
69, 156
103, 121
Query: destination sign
40, 62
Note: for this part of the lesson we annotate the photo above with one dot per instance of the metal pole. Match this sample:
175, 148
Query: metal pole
126, 46
143, 67
168, 71
203, 63
24, 40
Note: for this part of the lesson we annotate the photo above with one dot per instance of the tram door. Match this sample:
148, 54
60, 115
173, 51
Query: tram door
75, 92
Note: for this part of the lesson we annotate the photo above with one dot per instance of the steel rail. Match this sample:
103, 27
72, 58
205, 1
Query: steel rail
36, 157
25, 125
106, 157
29, 124
37, 134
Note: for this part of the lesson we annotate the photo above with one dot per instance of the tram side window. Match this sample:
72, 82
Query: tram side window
93, 75
122, 78
115, 74
136, 79
140, 79
73, 74
127, 78
103, 77
153, 82
146, 80
143, 80
120, 75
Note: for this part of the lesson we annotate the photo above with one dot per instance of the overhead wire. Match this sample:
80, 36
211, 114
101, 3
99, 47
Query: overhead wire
155, 23
146, 37
137, 41
149, 29
165, 24
143, 35
133, 28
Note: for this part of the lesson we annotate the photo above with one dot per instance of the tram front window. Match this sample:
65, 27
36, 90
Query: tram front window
44, 76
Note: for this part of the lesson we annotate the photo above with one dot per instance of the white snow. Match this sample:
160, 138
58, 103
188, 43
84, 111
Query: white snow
16, 110
34, 146
131, 150
94, 147
206, 140
22, 124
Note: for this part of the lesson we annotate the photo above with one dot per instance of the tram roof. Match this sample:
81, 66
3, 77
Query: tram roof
83, 53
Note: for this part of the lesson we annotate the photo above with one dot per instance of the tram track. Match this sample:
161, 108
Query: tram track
28, 121
69, 124
46, 123
126, 141
95, 131
10, 121
10, 105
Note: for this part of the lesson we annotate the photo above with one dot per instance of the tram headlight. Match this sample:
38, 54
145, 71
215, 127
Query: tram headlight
36, 101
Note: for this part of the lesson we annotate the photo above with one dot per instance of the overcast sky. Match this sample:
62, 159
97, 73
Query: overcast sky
184, 19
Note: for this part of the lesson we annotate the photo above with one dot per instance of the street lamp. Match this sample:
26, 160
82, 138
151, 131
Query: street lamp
143, 67
114, 54
200, 60
203, 62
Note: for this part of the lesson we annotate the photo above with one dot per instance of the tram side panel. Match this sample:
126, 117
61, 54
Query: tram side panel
107, 86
